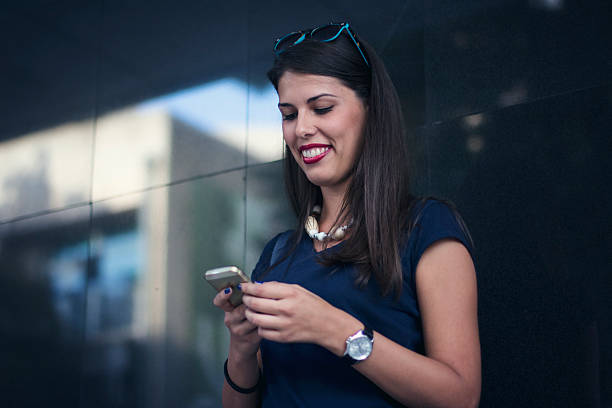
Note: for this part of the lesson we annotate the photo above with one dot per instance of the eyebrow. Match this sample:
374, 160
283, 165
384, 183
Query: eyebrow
311, 99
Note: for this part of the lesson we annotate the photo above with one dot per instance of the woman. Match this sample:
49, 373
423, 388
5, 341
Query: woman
371, 301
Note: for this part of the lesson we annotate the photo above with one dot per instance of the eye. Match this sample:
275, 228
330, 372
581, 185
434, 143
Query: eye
323, 111
290, 116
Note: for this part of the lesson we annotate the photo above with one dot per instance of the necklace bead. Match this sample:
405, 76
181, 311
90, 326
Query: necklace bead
312, 228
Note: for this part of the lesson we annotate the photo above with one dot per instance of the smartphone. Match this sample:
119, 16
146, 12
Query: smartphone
226, 276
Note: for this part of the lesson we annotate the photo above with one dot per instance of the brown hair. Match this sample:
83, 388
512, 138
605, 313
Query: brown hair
378, 199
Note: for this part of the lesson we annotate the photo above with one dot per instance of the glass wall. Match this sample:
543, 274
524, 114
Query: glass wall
141, 145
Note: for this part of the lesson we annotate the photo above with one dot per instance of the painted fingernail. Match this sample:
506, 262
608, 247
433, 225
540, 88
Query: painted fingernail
227, 291
239, 287
258, 282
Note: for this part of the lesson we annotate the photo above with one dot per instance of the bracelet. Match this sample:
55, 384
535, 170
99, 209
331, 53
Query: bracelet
237, 387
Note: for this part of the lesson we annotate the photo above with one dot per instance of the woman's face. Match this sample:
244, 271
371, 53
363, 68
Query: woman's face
322, 125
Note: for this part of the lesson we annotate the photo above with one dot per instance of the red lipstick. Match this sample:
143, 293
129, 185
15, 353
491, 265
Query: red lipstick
312, 146
313, 159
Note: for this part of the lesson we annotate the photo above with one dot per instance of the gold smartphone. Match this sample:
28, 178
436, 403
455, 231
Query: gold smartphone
226, 276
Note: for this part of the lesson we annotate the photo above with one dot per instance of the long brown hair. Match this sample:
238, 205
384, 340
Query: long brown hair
378, 199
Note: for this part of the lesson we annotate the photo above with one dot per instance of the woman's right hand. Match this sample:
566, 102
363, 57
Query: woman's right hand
244, 340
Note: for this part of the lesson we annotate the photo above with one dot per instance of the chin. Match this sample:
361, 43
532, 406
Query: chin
317, 181
322, 181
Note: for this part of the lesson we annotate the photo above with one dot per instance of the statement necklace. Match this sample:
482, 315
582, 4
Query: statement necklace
312, 228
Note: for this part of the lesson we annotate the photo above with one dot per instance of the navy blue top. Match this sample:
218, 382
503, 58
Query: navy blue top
307, 375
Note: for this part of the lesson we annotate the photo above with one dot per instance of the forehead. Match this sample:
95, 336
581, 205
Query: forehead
296, 87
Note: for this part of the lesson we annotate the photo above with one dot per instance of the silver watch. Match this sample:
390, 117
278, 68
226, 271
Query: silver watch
359, 345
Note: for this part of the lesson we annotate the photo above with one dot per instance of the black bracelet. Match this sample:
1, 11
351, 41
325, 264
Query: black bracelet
238, 388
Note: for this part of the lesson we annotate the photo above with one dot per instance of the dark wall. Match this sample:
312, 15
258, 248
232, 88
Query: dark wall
140, 145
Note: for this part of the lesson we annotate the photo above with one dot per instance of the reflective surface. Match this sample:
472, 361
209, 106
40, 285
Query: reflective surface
543, 270
484, 54
153, 337
46, 170
43, 284
141, 145
186, 134
268, 211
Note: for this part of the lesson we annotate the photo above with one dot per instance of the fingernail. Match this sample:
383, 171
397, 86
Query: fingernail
258, 282
239, 287
227, 291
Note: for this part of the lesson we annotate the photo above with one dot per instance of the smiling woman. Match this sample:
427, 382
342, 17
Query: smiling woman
371, 300
322, 126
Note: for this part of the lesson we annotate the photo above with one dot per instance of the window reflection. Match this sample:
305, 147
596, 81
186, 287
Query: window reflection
114, 288
48, 169
42, 282
128, 281
66, 271
219, 109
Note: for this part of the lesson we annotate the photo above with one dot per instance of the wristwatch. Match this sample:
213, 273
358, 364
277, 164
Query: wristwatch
359, 345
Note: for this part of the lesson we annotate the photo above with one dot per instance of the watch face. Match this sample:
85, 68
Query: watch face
360, 348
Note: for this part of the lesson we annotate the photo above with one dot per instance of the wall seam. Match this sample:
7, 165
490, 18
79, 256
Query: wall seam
246, 139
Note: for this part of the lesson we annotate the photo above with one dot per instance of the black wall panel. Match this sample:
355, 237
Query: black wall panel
140, 145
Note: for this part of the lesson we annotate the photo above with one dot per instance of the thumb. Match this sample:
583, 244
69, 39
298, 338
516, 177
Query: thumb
221, 300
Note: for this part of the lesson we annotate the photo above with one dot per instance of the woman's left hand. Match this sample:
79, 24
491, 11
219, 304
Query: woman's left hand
289, 313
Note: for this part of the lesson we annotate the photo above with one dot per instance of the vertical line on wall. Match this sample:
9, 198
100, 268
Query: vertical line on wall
246, 137
426, 96
427, 136
427, 127
394, 27
89, 263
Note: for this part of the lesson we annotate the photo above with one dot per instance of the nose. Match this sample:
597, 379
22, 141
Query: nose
305, 125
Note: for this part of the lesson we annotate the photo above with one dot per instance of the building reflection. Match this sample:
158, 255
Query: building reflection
112, 204
120, 278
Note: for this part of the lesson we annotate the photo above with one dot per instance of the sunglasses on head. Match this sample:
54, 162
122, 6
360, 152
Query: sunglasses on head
326, 33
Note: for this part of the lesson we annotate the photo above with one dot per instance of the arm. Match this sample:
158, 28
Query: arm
449, 376
244, 371
243, 361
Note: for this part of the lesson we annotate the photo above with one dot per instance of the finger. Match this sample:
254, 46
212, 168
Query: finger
273, 335
252, 336
236, 316
270, 290
262, 305
242, 329
221, 300
264, 320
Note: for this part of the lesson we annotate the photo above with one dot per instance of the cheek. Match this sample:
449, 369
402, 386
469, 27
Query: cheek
358, 132
287, 133
289, 142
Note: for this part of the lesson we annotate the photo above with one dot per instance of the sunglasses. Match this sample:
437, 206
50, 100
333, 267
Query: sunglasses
324, 33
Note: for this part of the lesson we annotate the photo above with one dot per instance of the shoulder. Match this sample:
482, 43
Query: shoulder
279, 239
432, 220
271, 252
431, 207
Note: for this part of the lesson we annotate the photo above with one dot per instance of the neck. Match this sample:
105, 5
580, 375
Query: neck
332, 203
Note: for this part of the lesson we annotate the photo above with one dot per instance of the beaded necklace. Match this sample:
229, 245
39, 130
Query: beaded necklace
312, 228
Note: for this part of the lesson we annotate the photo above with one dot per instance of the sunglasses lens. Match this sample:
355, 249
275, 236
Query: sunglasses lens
326, 33
287, 41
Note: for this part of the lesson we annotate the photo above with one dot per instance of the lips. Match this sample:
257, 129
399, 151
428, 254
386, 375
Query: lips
312, 153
